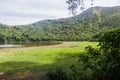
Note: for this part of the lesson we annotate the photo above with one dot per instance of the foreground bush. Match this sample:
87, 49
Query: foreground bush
101, 63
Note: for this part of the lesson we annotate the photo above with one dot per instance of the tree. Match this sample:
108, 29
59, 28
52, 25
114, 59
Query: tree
74, 4
103, 63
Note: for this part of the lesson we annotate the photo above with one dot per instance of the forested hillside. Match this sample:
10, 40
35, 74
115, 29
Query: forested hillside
87, 26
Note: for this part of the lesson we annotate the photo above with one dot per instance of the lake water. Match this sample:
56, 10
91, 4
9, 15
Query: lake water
27, 44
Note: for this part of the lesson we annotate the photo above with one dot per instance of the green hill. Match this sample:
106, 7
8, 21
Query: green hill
87, 26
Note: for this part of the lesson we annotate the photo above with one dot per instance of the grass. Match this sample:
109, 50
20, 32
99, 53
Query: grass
42, 58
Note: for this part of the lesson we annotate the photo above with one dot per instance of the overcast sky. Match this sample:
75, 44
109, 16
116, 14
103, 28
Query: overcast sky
19, 12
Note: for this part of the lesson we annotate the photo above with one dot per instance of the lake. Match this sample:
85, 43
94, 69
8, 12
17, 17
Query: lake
27, 44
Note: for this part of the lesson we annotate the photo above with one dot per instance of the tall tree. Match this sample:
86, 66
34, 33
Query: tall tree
74, 4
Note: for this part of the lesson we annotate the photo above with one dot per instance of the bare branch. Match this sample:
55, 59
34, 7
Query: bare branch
74, 4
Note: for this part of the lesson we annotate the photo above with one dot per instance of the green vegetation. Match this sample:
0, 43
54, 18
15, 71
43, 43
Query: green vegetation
88, 26
15, 60
70, 62
100, 63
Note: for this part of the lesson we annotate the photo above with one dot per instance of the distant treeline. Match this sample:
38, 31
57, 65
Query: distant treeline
88, 26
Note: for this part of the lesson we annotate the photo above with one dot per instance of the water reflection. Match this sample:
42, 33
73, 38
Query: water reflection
9, 45
27, 44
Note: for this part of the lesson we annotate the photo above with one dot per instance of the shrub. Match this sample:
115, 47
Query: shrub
101, 63
57, 74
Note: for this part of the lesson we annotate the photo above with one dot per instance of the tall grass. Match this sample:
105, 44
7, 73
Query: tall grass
16, 60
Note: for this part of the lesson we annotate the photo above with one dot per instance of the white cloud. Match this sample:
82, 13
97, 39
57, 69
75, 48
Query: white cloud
17, 20
107, 2
15, 12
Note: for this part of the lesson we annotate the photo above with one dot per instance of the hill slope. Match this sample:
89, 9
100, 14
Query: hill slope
86, 26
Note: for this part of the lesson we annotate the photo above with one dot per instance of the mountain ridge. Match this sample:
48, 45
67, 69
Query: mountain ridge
87, 26
81, 14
